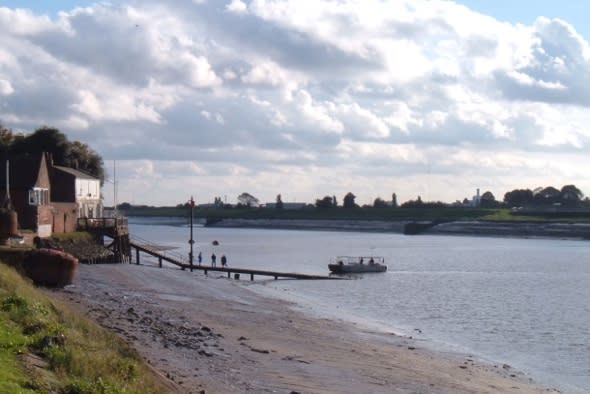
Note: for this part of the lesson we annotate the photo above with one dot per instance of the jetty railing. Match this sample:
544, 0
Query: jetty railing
144, 246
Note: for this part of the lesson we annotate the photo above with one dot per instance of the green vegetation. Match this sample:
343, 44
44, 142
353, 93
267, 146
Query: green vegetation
428, 213
73, 237
72, 355
67, 153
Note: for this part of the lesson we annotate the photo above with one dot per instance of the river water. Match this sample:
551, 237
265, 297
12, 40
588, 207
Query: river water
522, 302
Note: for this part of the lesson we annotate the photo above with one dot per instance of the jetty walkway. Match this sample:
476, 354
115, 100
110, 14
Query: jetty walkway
124, 243
142, 246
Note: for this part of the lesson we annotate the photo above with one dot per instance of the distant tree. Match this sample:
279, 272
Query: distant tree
334, 202
124, 206
248, 200
518, 198
417, 203
348, 201
379, 203
279, 204
547, 196
570, 195
324, 203
394, 200
488, 200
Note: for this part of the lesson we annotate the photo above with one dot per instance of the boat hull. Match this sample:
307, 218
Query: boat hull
356, 268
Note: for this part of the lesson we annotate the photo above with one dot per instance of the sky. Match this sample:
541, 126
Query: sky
307, 98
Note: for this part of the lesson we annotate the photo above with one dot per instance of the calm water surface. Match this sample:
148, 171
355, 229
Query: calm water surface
524, 302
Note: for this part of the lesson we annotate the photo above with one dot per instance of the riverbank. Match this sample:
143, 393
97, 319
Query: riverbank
474, 227
213, 334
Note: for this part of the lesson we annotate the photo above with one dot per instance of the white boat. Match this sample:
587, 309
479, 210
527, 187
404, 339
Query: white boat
357, 264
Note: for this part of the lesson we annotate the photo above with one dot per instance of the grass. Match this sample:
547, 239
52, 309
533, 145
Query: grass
73, 236
79, 356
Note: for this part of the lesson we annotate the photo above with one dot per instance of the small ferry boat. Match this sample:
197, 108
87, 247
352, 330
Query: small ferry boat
357, 264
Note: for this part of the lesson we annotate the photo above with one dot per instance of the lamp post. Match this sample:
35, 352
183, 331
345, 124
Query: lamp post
191, 241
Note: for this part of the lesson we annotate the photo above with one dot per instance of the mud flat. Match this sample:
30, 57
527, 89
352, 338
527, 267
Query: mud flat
214, 335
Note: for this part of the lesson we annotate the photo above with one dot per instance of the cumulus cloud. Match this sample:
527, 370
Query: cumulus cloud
333, 93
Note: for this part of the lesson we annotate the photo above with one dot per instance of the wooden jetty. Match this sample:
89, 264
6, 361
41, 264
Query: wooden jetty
152, 251
115, 228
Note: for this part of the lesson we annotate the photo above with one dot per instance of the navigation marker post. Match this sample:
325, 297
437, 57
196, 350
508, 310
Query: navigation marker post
191, 240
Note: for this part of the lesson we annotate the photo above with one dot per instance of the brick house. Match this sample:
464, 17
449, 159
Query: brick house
30, 191
48, 198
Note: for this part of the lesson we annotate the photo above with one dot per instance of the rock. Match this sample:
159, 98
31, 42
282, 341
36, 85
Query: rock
50, 267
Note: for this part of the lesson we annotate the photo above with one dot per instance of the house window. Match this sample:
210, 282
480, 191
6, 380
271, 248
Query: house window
39, 196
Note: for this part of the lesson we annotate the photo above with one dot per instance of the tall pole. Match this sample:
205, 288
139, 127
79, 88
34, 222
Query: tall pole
191, 241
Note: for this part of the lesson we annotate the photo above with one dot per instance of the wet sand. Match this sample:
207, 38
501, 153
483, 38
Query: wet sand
211, 334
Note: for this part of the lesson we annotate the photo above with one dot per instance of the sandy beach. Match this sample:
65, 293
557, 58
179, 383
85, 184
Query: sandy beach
211, 334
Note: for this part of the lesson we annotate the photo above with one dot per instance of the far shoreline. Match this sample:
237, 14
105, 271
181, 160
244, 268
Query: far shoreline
532, 229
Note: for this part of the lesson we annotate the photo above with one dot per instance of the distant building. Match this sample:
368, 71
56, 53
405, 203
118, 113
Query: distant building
476, 200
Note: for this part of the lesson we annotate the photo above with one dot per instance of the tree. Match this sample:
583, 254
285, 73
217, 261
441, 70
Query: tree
417, 203
324, 203
570, 195
547, 196
487, 200
379, 203
394, 200
348, 201
6, 139
73, 154
518, 198
279, 204
334, 202
124, 206
45, 139
85, 159
248, 200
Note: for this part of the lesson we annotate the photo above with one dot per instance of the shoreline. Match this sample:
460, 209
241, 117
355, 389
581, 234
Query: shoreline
213, 334
471, 227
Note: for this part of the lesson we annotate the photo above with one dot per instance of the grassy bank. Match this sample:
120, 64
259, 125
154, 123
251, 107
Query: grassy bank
46, 347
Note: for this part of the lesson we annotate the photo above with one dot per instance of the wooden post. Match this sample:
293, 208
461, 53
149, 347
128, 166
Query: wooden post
160, 262
137, 256
205, 272
251, 276
228, 275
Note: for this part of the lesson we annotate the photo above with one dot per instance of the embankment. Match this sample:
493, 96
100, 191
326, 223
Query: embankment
310, 224
513, 229
478, 228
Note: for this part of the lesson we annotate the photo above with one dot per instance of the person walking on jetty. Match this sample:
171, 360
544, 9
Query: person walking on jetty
200, 258
223, 261
213, 258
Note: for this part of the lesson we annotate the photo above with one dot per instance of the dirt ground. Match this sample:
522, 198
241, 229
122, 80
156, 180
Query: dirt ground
210, 334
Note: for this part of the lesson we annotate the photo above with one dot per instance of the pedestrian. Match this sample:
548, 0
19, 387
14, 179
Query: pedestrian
200, 258
213, 257
223, 260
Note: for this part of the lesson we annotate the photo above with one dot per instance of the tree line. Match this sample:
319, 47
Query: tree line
64, 152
